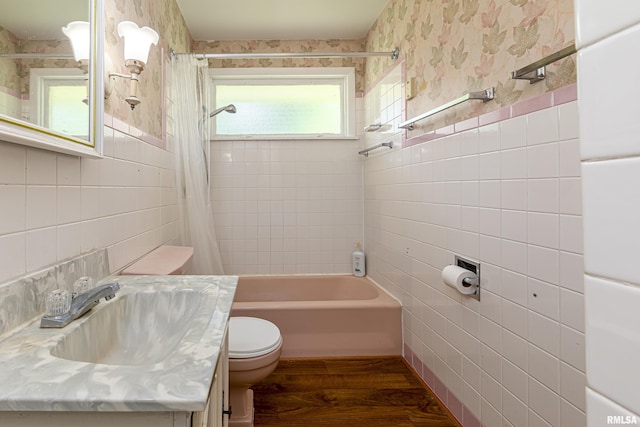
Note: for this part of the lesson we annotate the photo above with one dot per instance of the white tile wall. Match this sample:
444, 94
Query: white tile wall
384, 104
57, 206
284, 207
596, 20
615, 100
521, 361
610, 203
613, 339
609, 125
602, 411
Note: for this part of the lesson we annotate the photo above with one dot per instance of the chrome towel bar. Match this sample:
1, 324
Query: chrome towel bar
37, 55
483, 95
365, 152
537, 71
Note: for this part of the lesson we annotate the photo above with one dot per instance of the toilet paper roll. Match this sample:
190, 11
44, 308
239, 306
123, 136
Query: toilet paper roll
452, 275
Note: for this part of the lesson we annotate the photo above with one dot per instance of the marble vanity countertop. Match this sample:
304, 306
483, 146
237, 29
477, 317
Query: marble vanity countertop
32, 379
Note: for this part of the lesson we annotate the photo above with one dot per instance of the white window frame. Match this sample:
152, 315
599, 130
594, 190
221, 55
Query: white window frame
345, 75
40, 80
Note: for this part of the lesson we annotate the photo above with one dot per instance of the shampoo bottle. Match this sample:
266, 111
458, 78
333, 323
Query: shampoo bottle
358, 262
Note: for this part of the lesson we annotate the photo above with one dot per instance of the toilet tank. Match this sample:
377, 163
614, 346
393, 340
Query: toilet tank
165, 260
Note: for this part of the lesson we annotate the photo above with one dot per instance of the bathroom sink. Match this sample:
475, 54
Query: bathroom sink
139, 328
154, 347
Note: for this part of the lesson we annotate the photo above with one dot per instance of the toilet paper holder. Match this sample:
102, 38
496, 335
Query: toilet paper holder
473, 266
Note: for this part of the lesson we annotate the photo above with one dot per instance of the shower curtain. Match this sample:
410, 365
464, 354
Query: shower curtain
190, 95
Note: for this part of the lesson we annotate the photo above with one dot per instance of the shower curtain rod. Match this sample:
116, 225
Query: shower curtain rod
37, 55
393, 54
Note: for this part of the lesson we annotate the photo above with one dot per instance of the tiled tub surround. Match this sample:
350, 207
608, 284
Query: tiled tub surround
284, 207
32, 379
505, 190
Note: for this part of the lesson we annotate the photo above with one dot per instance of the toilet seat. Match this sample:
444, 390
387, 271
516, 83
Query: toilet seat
252, 337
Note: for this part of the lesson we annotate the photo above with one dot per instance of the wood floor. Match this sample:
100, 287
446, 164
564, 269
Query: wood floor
364, 392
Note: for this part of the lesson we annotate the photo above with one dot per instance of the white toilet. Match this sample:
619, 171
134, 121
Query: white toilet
254, 350
254, 344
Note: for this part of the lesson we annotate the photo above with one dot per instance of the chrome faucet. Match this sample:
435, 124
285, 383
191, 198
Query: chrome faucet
80, 304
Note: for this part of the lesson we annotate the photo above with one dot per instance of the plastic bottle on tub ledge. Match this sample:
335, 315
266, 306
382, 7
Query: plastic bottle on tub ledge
358, 260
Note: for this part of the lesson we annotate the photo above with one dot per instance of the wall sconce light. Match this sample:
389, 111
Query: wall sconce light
137, 42
79, 33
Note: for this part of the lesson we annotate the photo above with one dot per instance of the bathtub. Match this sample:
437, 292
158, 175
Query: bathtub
324, 316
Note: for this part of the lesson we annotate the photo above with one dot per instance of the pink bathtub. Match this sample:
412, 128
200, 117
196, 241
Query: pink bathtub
323, 316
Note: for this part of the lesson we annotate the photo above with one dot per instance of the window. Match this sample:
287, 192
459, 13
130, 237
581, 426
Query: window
284, 103
58, 101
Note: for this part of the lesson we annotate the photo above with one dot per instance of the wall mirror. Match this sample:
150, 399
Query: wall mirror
48, 99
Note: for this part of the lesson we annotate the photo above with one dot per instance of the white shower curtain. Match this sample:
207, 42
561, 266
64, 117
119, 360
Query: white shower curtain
190, 94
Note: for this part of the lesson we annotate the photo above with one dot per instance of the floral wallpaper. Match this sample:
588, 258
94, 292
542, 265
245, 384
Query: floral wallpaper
449, 46
165, 18
452, 47
15, 73
284, 46
41, 46
9, 78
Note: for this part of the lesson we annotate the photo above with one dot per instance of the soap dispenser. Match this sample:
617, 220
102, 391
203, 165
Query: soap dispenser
358, 262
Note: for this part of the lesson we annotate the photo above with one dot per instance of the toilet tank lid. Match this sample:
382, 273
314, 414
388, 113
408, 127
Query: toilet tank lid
161, 261
252, 337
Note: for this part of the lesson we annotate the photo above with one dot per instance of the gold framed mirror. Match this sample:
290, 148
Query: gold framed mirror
48, 99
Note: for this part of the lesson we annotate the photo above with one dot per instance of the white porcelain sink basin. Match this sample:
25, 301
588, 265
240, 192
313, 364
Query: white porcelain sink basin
135, 329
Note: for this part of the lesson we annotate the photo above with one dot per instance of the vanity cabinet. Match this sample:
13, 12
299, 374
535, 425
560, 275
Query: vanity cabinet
217, 412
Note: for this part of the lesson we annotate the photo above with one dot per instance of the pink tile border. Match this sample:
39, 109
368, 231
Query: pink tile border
150, 139
428, 376
462, 414
430, 136
132, 131
14, 93
530, 105
425, 137
503, 113
120, 126
468, 419
445, 131
560, 96
108, 120
455, 406
408, 354
441, 390
565, 94
471, 123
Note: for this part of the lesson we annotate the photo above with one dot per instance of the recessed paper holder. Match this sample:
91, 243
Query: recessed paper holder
473, 266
